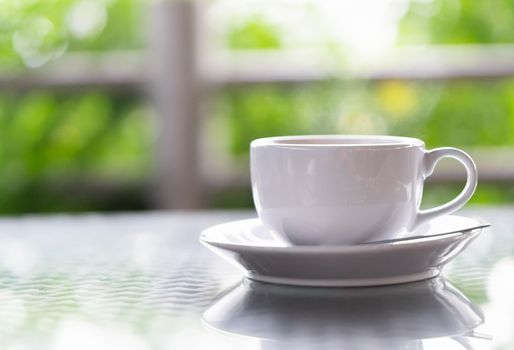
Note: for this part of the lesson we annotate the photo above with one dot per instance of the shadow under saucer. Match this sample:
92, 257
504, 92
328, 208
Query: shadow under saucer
392, 317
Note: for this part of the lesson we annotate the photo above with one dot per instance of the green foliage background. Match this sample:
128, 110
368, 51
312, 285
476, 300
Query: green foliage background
54, 141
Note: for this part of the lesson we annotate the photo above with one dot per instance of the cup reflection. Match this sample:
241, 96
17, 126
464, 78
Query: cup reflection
393, 317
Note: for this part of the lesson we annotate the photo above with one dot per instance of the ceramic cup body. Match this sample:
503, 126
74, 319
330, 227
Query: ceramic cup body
313, 190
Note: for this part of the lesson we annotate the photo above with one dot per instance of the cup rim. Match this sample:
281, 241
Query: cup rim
339, 141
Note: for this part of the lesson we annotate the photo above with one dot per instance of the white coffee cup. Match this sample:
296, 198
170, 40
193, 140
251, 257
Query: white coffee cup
335, 189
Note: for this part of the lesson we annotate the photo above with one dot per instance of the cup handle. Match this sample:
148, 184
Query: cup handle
430, 160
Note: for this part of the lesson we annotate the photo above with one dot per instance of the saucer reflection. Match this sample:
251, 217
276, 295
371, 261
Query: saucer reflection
393, 317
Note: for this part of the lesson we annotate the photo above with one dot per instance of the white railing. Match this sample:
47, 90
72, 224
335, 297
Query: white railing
130, 69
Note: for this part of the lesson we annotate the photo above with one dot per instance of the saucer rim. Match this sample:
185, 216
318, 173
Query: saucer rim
400, 244
347, 282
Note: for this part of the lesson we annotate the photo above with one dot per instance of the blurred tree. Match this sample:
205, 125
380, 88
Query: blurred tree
49, 139
457, 22
53, 142
254, 33
34, 32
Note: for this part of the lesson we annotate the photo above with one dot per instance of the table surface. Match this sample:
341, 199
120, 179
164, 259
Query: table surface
142, 281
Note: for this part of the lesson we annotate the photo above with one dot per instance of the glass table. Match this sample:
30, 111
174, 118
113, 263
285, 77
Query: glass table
143, 281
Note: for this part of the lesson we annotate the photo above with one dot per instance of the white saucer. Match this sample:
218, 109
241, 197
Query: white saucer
419, 255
